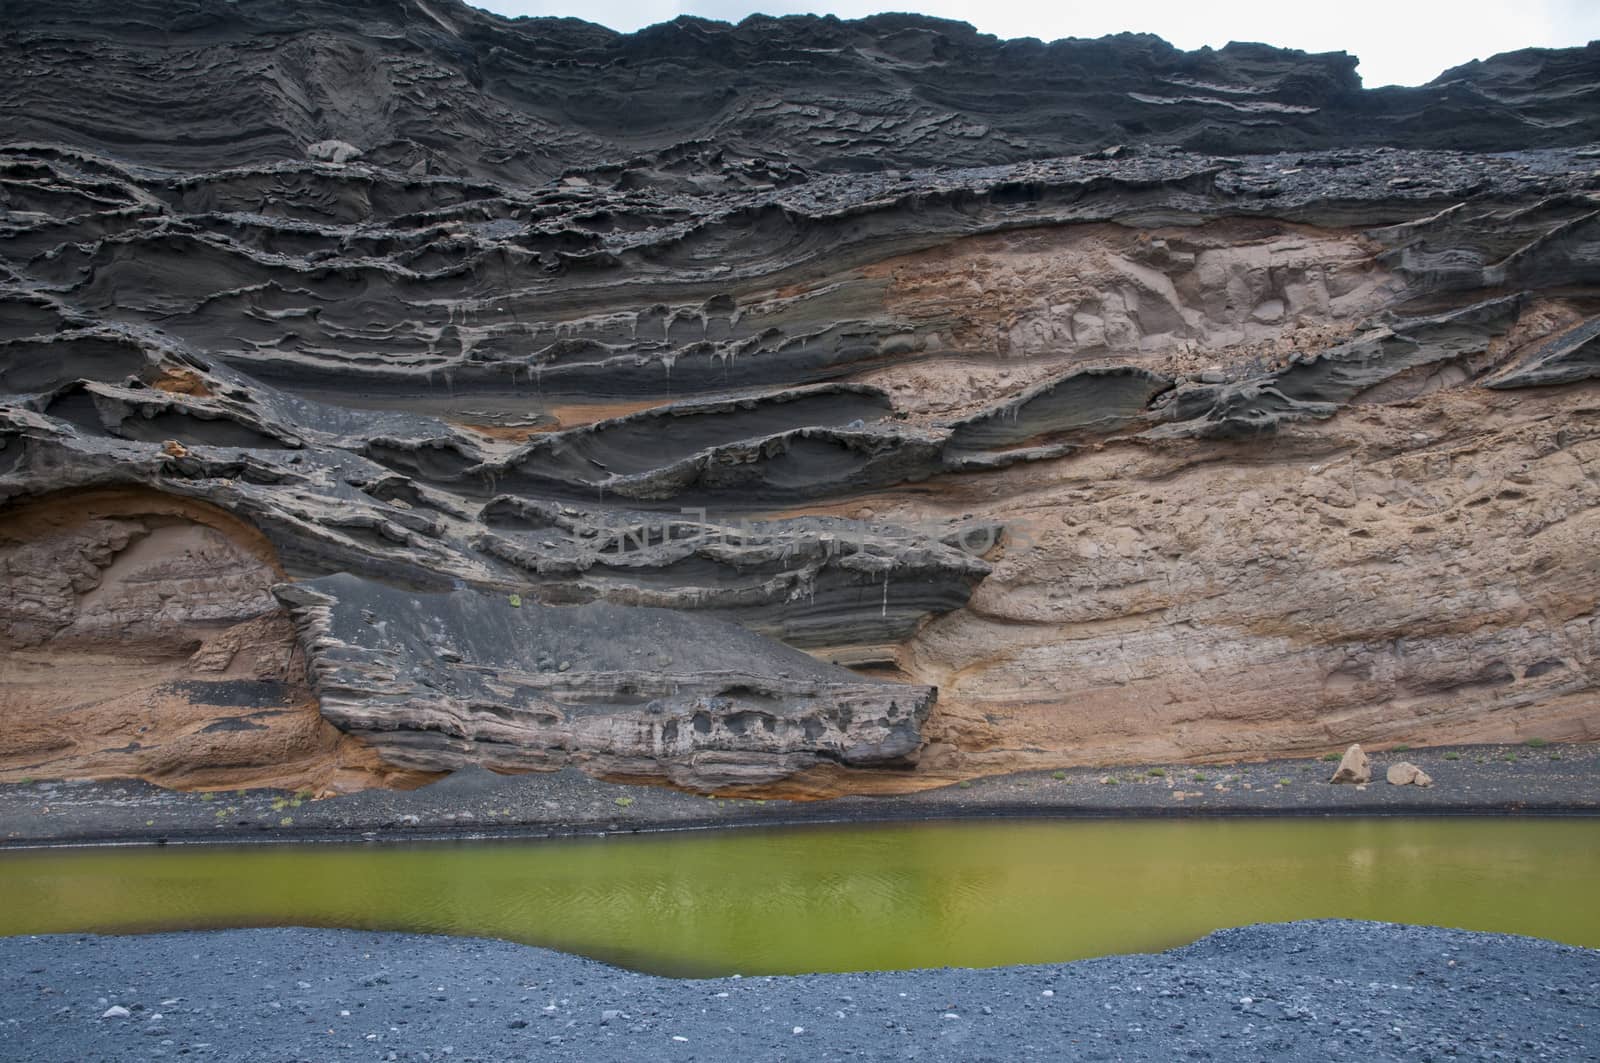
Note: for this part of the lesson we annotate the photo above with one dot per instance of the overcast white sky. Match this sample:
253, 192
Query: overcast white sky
1399, 43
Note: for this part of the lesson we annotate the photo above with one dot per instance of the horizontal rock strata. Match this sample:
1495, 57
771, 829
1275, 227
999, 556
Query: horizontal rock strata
1130, 447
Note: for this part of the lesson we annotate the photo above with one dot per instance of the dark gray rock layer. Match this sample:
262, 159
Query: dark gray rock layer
444, 681
448, 89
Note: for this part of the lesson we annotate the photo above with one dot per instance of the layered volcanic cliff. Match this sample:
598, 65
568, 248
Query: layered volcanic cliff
795, 407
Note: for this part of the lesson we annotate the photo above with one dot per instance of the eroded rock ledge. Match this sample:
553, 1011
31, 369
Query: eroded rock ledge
443, 681
1131, 450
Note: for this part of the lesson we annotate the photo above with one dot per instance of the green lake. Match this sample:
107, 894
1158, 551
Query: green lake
848, 898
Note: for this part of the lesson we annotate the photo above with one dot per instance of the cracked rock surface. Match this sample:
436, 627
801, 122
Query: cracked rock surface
804, 405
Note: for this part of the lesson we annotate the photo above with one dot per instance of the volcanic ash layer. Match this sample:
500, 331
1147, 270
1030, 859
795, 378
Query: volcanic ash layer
386, 389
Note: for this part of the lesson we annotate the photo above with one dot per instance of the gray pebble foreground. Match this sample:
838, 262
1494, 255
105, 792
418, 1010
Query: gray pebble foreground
1326, 990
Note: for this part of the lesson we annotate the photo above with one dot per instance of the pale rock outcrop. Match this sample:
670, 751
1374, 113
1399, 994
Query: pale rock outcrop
1354, 767
1406, 773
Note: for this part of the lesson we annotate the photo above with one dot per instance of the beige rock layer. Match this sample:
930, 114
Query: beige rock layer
1420, 571
1418, 568
997, 313
138, 638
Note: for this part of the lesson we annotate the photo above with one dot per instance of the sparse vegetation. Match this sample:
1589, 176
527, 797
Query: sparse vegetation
1058, 775
1555, 756
1110, 780
1331, 758
26, 780
1452, 755
208, 797
1197, 777
1536, 743
1509, 757
623, 802
1283, 782
964, 784
286, 821
1157, 773
1402, 748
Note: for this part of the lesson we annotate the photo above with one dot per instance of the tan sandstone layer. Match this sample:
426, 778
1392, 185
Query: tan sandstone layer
139, 638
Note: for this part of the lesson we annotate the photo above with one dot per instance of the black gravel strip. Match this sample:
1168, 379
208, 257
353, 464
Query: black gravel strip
1328, 990
1468, 780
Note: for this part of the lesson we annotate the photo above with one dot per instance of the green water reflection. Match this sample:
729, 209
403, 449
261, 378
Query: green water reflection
849, 898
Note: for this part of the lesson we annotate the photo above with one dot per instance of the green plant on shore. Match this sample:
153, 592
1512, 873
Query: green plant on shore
279, 804
1536, 743
286, 821
1509, 757
1157, 773
964, 784
623, 802
1058, 775
1402, 748
1111, 780
1283, 782
1197, 777
208, 797
1555, 756
1331, 758
1452, 755
305, 794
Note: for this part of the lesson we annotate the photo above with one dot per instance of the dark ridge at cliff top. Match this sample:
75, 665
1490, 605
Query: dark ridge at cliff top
444, 88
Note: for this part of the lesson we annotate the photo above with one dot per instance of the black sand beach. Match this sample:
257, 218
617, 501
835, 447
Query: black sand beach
1316, 990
